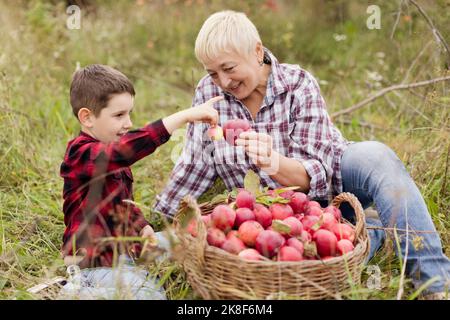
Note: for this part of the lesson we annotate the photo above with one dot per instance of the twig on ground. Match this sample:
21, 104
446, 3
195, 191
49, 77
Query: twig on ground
367, 125
399, 12
384, 91
402, 275
396, 229
415, 60
435, 31
426, 97
416, 110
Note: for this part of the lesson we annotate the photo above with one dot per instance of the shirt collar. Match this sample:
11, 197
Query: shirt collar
276, 83
86, 135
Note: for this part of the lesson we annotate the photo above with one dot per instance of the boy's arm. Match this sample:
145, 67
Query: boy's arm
139, 143
203, 113
133, 146
194, 171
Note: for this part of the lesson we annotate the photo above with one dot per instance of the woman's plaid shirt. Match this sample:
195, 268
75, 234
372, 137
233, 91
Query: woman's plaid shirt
293, 113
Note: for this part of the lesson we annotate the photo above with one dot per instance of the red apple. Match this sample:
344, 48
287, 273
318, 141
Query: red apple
326, 242
215, 237
269, 242
313, 211
242, 215
305, 236
297, 244
313, 204
287, 194
233, 245
233, 128
329, 221
344, 231
335, 211
215, 133
344, 246
207, 220
309, 222
295, 225
281, 211
249, 231
232, 233
287, 253
298, 202
250, 254
245, 199
262, 215
192, 227
223, 217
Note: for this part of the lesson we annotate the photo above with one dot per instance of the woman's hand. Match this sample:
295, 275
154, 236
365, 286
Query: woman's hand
259, 147
288, 172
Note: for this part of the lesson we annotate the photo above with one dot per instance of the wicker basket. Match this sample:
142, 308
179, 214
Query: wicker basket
216, 274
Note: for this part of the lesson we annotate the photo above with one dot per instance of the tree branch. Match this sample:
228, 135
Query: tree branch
435, 31
384, 91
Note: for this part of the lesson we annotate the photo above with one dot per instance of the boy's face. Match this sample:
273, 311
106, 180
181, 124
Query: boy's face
113, 121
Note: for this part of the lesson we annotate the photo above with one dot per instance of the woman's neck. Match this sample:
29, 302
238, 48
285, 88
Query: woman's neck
254, 101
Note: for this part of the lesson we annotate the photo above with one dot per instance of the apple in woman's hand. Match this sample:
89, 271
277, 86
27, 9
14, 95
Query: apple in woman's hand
233, 128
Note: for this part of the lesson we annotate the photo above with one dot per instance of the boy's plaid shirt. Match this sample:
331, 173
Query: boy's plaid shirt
97, 178
293, 113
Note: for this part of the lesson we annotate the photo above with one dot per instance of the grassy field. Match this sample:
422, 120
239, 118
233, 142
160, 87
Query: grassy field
153, 43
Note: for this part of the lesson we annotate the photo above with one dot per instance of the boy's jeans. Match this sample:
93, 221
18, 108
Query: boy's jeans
126, 281
374, 174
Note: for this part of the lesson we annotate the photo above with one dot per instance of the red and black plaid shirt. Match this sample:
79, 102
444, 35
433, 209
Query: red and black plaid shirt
97, 178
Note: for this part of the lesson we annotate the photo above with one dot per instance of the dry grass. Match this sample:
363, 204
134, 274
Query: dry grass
152, 42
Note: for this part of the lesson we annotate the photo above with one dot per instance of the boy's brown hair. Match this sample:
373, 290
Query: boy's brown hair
93, 85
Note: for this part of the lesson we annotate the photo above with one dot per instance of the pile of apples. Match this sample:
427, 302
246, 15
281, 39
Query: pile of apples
291, 228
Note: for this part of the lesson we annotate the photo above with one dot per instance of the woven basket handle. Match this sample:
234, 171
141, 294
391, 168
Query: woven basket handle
359, 212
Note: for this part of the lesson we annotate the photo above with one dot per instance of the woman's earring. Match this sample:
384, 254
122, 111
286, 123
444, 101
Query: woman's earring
261, 63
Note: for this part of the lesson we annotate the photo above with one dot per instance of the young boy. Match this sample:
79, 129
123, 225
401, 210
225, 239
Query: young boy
96, 167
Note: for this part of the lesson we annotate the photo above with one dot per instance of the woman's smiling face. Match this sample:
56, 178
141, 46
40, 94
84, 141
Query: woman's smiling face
235, 74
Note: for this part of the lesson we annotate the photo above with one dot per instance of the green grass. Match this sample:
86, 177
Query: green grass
153, 45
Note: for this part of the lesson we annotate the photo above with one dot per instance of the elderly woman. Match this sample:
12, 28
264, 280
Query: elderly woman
294, 143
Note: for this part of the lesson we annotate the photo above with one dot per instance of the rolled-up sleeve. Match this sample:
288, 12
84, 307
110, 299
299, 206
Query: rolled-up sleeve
194, 171
311, 138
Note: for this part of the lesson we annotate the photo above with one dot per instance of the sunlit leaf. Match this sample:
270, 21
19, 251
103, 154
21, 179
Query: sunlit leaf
310, 250
252, 182
280, 226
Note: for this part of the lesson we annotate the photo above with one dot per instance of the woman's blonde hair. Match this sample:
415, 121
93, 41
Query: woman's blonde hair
226, 31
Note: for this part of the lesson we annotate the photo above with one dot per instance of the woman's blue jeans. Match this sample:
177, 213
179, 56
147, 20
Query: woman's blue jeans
375, 175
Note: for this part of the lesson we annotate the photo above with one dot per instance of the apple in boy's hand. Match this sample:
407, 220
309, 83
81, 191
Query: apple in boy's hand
215, 133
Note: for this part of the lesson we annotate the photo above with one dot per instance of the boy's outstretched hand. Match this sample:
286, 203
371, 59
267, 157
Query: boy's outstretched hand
204, 113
